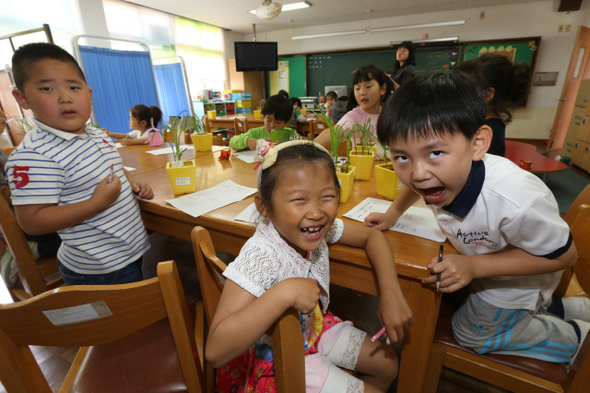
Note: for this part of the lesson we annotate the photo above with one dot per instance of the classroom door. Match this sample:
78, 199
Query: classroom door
577, 70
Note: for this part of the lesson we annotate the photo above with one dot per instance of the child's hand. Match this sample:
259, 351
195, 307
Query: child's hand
125, 141
107, 191
396, 316
379, 221
304, 293
143, 190
455, 272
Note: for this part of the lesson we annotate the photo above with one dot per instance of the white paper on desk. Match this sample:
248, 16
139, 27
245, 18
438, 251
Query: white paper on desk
415, 221
129, 168
201, 202
118, 145
245, 155
249, 214
168, 150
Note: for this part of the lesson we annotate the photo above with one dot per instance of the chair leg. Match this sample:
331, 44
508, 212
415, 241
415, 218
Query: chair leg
435, 365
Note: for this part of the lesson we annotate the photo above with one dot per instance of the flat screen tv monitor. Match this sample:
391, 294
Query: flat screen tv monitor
256, 56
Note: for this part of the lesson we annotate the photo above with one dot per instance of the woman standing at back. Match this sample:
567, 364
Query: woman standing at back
504, 83
405, 60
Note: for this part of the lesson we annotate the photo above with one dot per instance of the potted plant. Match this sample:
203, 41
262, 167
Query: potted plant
202, 139
364, 155
388, 184
344, 172
182, 173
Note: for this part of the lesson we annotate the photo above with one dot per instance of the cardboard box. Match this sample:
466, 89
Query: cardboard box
572, 132
583, 93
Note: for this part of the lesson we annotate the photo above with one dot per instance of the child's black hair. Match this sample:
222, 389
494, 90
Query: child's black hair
279, 106
283, 93
509, 81
409, 45
147, 113
26, 55
365, 74
332, 94
293, 157
295, 101
433, 104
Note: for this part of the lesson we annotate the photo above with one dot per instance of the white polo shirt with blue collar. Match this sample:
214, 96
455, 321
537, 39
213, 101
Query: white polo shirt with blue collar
500, 208
56, 167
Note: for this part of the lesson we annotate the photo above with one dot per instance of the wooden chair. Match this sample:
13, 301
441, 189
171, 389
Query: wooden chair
288, 350
240, 125
515, 373
141, 331
35, 276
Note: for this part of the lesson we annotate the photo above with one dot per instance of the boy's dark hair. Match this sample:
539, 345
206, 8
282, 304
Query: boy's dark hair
409, 45
365, 74
283, 93
433, 104
278, 105
28, 54
293, 157
509, 81
147, 113
295, 101
332, 94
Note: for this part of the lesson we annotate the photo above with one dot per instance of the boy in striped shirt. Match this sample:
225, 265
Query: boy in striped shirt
66, 177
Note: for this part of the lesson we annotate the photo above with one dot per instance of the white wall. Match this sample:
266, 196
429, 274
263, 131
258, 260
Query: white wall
500, 22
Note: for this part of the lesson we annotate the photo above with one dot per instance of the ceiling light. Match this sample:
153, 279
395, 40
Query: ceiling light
322, 35
268, 10
288, 7
419, 26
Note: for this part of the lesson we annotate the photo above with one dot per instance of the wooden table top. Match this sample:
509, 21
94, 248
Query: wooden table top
516, 151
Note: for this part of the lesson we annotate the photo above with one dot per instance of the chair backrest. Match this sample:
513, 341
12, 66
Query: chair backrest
287, 341
240, 125
582, 198
32, 274
579, 374
81, 316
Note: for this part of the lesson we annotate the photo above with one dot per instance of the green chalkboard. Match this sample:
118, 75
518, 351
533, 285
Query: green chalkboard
330, 69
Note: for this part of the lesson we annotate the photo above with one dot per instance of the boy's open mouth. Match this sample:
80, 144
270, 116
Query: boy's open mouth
68, 113
434, 194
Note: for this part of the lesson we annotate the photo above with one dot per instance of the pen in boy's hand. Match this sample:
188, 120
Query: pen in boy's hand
440, 256
111, 174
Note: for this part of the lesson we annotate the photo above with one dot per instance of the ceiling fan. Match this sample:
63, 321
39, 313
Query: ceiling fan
268, 10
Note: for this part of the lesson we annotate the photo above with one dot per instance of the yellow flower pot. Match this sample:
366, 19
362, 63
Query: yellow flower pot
388, 184
202, 142
359, 148
363, 163
346, 182
183, 178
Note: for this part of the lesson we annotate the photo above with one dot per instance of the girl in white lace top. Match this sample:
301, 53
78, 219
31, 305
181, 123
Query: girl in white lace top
285, 264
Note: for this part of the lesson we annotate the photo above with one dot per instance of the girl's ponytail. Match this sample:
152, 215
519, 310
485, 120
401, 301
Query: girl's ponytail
155, 115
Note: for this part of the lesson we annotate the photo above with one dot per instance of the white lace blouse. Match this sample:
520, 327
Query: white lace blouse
267, 259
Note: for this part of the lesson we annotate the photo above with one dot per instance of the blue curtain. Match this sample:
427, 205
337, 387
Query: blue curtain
119, 80
172, 90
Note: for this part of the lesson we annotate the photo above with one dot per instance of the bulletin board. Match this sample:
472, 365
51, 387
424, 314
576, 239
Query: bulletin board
292, 71
521, 49
325, 69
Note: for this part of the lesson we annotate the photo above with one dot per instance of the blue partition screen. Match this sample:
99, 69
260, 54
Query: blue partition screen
119, 80
172, 90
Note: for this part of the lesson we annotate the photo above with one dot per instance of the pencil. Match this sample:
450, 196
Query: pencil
440, 256
378, 334
111, 174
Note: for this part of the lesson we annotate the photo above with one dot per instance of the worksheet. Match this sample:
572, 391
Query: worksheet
201, 202
168, 150
249, 214
415, 221
245, 155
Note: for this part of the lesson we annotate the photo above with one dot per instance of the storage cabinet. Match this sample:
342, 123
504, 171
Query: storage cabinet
223, 108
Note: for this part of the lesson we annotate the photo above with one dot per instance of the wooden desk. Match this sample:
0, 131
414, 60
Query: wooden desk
349, 266
228, 122
516, 151
136, 156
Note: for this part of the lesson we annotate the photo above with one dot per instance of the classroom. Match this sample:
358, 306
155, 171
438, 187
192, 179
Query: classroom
184, 57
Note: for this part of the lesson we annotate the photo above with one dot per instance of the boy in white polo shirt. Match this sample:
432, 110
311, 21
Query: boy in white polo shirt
67, 177
504, 221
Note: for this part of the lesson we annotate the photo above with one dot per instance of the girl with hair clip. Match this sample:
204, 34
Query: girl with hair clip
371, 87
142, 119
405, 60
286, 264
504, 83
